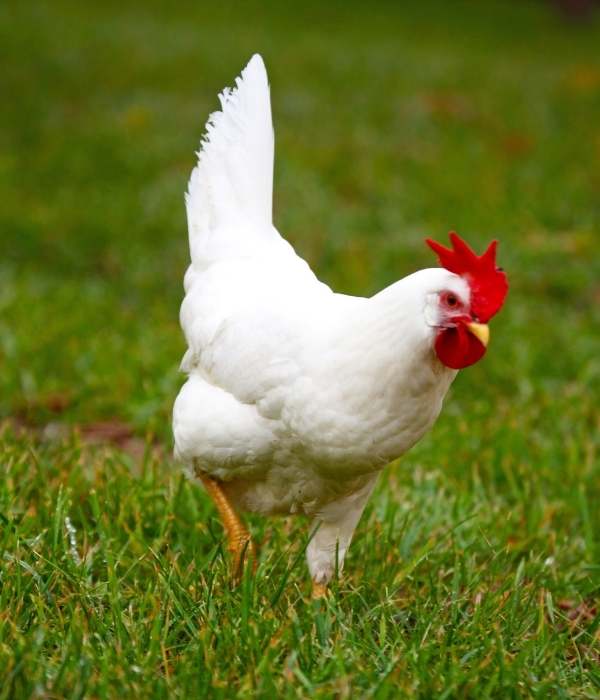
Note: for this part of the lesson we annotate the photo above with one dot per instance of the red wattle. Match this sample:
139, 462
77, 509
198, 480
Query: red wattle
457, 348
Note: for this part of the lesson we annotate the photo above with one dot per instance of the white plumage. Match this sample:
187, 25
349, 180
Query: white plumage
296, 397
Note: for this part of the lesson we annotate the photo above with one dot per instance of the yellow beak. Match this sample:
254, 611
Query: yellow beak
481, 331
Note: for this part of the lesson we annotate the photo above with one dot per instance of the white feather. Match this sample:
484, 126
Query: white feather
231, 188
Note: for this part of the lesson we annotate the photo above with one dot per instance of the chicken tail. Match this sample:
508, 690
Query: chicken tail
229, 196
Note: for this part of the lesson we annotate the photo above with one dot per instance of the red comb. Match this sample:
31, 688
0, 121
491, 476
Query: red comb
487, 282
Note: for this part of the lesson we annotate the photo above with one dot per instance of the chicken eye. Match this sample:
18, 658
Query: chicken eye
451, 300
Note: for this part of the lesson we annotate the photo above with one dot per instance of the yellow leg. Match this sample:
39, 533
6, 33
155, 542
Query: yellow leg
239, 542
319, 590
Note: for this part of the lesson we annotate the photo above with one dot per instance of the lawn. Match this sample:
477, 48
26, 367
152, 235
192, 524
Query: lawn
475, 571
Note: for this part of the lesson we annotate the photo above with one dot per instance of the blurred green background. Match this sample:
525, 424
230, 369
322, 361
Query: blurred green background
393, 121
391, 124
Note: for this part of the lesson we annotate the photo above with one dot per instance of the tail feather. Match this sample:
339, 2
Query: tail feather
231, 189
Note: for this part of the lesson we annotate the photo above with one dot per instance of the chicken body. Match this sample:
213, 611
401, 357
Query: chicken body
296, 396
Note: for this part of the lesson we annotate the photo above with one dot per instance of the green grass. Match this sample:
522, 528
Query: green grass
475, 571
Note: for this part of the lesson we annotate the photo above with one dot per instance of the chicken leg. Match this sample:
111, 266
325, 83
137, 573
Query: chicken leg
332, 532
239, 542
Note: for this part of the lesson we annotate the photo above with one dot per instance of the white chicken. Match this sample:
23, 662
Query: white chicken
296, 396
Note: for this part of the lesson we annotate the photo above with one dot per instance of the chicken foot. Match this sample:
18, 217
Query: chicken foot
319, 590
239, 542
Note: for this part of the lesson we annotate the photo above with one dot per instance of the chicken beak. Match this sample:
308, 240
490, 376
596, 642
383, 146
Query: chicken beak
481, 331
